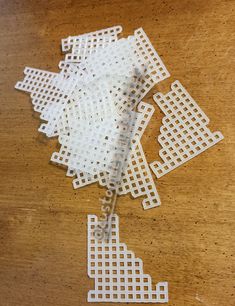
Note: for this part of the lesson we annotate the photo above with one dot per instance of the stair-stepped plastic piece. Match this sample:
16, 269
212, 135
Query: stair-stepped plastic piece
49, 94
118, 273
184, 133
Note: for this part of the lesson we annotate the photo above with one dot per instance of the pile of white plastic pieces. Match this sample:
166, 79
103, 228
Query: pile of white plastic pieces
87, 104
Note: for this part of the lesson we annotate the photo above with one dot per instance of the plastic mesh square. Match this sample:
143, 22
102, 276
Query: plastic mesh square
118, 274
184, 133
91, 147
90, 144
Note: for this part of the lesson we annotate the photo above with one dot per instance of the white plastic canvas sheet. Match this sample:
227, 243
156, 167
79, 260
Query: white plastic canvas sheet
136, 179
117, 272
90, 40
184, 133
90, 145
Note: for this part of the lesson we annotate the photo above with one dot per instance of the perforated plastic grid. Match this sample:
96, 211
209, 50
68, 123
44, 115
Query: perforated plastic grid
136, 179
133, 66
89, 145
118, 274
124, 56
184, 133
90, 40
49, 95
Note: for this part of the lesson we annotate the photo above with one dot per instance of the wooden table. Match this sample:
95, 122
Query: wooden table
187, 241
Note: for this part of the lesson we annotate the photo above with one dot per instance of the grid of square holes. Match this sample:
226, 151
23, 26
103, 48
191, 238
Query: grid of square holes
184, 133
90, 40
71, 148
84, 45
118, 274
136, 179
145, 113
48, 93
117, 58
91, 148
156, 69
133, 57
34, 78
102, 136
125, 56
148, 70
89, 105
90, 144
53, 95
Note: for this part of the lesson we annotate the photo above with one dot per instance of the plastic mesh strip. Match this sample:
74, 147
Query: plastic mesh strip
90, 40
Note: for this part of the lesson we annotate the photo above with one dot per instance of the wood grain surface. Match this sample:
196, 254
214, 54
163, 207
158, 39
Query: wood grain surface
188, 240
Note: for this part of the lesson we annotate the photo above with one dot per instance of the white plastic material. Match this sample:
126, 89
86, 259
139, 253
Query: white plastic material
84, 105
101, 84
49, 94
36, 82
126, 57
137, 178
84, 45
91, 142
131, 67
118, 274
184, 133
90, 40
